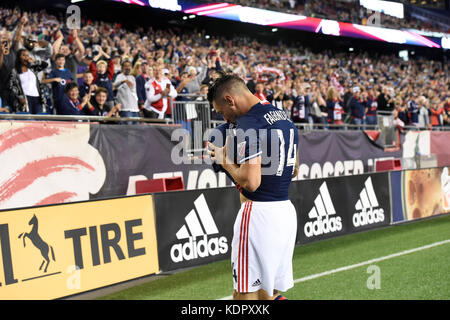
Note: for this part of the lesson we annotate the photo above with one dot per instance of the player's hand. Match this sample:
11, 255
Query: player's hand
217, 154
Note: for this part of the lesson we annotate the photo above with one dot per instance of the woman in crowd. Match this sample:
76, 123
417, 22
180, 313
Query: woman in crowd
71, 103
27, 95
334, 107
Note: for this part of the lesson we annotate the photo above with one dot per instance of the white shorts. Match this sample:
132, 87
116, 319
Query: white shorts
263, 246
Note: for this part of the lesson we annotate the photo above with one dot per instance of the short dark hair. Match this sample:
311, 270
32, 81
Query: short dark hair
59, 55
70, 86
126, 61
225, 81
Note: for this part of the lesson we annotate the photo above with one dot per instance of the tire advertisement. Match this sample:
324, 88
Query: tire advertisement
61, 250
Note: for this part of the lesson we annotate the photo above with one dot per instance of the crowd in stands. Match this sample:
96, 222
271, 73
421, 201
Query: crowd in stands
104, 69
343, 11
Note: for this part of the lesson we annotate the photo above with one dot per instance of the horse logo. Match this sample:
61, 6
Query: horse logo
37, 241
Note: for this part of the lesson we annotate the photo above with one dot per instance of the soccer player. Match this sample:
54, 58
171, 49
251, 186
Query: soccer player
265, 161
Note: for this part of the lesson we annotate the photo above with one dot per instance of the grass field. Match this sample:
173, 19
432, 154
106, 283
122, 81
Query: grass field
422, 273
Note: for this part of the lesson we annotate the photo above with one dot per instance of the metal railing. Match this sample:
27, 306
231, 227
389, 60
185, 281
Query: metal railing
195, 117
13, 116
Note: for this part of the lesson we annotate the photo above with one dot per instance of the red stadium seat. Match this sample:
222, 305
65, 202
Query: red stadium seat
159, 185
387, 165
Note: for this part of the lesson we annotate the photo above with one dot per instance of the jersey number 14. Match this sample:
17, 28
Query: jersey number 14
291, 154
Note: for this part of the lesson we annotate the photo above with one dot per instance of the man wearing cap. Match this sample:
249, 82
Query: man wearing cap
357, 107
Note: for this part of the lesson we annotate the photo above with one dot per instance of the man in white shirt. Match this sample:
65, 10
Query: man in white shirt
158, 91
126, 95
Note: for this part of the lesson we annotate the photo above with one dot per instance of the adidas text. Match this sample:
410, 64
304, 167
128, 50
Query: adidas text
323, 226
368, 216
194, 249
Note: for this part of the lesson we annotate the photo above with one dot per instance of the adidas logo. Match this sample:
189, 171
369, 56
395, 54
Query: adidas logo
324, 214
256, 283
366, 207
199, 223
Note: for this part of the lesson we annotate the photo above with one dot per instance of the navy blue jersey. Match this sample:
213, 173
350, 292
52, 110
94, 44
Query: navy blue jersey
277, 144
218, 137
59, 87
267, 132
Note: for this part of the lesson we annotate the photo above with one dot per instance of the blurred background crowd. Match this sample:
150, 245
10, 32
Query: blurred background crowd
105, 69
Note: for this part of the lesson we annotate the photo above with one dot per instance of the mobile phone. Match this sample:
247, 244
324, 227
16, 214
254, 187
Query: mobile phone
168, 86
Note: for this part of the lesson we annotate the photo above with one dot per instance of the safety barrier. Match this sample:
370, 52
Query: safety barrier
56, 162
195, 116
71, 248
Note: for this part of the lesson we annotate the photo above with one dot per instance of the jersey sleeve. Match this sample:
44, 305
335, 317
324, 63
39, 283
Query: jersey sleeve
248, 140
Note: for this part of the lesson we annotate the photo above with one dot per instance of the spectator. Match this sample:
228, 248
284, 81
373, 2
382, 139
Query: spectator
259, 91
72, 57
196, 79
125, 84
8, 54
424, 118
371, 108
203, 93
26, 92
357, 107
103, 76
182, 90
58, 78
402, 110
270, 88
300, 107
334, 107
287, 106
141, 80
276, 99
413, 109
447, 112
318, 107
71, 103
399, 123
87, 85
158, 93
251, 84
436, 111
385, 100
100, 106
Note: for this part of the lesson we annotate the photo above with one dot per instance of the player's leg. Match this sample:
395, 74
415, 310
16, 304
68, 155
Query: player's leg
241, 255
274, 243
259, 250
285, 276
